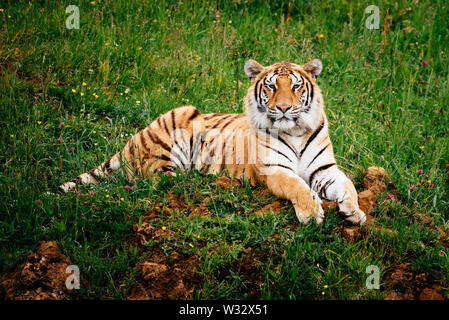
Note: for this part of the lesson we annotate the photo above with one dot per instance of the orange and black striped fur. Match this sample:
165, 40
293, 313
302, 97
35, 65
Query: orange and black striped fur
282, 141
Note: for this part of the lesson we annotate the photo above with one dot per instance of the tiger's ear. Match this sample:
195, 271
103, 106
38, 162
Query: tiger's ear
313, 67
252, 69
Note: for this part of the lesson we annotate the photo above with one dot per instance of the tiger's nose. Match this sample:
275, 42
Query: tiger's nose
283, 107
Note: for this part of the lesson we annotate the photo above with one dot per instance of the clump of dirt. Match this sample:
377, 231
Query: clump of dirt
173, 277
41, 277
375, 178
404, 283
148, 232
274, 207
226, 183
202, 209
328, 206
367, 201
352, 234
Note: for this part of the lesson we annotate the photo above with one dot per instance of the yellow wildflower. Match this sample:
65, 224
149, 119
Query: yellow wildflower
39, 122
164, 227
107, 196
74, 90
321, 35
82, 94
84, 84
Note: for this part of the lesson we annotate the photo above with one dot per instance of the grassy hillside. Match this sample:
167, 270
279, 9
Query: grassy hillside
71, 98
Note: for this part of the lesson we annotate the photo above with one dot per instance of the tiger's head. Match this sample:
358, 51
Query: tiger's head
284, 96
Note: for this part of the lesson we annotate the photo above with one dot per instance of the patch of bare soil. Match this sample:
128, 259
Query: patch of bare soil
403, 283
41, 277
163, 276
173, 277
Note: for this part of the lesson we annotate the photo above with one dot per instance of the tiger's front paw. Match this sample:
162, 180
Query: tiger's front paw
308, 208
357, 217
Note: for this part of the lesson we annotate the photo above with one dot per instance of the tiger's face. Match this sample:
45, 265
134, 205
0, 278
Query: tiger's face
284, 95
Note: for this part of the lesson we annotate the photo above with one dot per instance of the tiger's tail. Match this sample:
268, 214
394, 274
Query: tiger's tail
94, 176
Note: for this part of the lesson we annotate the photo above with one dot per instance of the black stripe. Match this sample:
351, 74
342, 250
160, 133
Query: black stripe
311, 94
323, 167
156, 140
165, 127
313, 136
76, 180
178, 156
318, 155
278, 165
107, 166
255, 92
308, 96
173, 120
229, 122
162, 157
323, 189
225, 116
195, 114
280, 152
173, 124
94, 175
282, 140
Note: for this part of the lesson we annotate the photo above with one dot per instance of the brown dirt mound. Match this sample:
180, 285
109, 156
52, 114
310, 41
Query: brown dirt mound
404, 283
41, 277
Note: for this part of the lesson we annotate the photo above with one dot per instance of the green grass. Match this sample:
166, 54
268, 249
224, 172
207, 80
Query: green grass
384, 108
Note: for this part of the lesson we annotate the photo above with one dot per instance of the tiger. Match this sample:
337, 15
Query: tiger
281, 141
